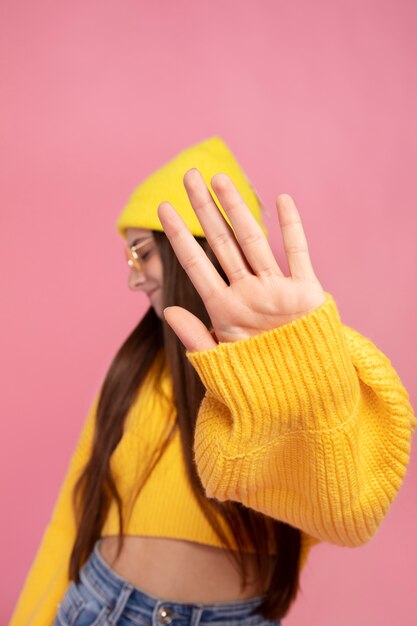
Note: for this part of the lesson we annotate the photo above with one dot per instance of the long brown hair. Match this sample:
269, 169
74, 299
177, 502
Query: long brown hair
96, 487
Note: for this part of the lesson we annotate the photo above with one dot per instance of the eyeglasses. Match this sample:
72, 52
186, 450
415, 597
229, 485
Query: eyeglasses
136, 256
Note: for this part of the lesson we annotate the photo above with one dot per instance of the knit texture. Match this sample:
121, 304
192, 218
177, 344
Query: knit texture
308, 423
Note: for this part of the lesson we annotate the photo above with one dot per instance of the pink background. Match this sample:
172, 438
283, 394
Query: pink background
317, 99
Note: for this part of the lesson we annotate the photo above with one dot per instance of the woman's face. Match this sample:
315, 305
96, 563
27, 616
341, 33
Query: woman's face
150, 278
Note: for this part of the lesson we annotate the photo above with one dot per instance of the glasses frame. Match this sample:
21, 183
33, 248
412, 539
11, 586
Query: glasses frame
133, 258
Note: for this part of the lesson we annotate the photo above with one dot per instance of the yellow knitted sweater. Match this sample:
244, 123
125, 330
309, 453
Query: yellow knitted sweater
308, 423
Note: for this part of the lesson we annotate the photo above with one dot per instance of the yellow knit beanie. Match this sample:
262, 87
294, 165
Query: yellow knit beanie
210, 157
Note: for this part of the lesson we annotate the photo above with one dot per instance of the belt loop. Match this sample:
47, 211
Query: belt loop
196, 616
120, 604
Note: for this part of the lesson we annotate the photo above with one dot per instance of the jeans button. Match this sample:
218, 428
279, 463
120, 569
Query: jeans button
164, 615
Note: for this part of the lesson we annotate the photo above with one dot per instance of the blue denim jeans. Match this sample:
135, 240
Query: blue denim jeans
103, 598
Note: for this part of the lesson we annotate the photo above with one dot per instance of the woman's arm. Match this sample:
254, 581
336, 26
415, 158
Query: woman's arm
308, 423
304, 419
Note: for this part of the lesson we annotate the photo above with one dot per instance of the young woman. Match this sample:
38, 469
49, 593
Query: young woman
240, 423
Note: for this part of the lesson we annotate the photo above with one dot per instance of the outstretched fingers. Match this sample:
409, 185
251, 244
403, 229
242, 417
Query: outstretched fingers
190, 254
294, 239
252, 241
218, 232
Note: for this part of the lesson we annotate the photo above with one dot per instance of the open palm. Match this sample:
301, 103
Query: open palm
259, 296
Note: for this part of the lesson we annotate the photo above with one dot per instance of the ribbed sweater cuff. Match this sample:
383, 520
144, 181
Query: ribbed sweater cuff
298, 376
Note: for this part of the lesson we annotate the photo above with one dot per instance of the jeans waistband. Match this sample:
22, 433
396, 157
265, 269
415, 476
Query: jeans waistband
108, 586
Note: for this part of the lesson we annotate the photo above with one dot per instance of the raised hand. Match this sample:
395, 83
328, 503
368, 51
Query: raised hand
259, 296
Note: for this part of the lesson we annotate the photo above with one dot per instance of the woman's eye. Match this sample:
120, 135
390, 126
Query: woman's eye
145, 255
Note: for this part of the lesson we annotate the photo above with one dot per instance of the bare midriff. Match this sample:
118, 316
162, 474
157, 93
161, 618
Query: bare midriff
178, 570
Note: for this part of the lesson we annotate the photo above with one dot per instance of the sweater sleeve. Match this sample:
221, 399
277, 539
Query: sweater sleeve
307, 423
48, 579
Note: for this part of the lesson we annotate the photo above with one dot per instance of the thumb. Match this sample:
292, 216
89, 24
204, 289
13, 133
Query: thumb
189, 329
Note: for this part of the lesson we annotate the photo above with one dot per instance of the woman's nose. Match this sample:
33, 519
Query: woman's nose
136, 279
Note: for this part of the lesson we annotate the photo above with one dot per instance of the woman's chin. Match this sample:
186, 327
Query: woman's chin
155, 301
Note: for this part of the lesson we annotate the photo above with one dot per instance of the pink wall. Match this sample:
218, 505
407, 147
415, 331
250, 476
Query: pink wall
316, 99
